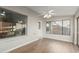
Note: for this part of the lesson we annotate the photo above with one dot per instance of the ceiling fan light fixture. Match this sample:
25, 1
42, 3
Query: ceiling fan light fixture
49, 14
45, 16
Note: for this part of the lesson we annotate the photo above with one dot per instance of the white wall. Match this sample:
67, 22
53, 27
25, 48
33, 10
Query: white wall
32, 30
59, 37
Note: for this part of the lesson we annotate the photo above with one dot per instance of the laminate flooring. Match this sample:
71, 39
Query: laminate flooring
47, 46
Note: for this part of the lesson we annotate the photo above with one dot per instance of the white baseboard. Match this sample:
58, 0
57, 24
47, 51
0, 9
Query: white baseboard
19, 46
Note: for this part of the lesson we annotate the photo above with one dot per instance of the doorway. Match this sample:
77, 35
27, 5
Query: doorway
77, 31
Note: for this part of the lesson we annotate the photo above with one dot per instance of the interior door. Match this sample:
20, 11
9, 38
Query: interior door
78, 31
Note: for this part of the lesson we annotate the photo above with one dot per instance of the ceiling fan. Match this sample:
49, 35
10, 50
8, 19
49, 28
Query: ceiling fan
49, 14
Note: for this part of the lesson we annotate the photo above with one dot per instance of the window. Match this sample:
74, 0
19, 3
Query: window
12, 24
48, 27
58, 27
66, 27
39, 25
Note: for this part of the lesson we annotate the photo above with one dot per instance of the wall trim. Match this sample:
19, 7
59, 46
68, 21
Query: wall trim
7, 51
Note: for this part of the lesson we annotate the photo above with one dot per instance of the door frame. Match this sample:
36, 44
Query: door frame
77, 31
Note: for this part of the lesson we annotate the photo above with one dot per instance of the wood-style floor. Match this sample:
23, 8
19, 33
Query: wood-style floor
47, 46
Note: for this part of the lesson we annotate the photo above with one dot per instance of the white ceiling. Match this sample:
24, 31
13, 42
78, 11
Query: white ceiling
58, 10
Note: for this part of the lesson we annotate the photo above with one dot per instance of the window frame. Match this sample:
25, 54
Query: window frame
69, 31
